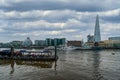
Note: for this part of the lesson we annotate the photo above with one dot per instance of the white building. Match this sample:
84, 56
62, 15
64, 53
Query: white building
27, 42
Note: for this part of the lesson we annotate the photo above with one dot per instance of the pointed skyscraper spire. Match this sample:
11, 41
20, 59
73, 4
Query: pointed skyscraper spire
97, 36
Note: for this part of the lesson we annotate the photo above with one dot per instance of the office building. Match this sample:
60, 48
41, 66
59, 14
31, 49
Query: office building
40, 43
55, 41
97, 36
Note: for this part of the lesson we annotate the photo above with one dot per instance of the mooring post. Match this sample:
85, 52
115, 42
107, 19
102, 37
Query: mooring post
12, 51
55, 66
55, 52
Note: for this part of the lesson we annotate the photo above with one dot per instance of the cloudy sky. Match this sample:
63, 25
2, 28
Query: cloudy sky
72, 19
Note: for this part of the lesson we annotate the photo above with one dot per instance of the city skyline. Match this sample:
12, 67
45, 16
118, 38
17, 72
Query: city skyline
40, 19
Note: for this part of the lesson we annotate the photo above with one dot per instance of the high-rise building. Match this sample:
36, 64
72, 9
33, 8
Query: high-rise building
97, 36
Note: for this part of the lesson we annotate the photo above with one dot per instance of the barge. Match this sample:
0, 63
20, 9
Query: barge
44, 55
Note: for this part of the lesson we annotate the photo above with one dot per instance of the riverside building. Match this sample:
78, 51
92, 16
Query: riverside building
55, 41
40, 43
27, 42
114, 38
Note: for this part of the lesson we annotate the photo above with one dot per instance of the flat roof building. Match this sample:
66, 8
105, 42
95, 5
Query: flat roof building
74, 43
114, 38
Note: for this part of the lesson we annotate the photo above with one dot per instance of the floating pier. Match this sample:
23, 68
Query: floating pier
30, 56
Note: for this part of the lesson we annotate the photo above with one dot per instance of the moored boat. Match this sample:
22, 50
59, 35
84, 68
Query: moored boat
29, 55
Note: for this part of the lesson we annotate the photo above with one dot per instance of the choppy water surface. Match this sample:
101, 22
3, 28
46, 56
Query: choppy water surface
71, 65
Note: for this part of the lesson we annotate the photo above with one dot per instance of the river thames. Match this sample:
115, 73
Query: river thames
71, 65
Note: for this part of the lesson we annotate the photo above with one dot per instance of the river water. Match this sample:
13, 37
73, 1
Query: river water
71, 65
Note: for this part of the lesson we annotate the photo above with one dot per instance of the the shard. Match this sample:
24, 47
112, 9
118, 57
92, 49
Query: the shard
97, 36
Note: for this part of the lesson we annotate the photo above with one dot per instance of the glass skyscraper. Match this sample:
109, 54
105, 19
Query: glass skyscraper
97, 36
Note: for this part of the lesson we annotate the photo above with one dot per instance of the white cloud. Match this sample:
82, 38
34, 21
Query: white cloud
4, 3
110, 26
79, 37
40, 24
70, 30
111, 12
20, 34
1, 30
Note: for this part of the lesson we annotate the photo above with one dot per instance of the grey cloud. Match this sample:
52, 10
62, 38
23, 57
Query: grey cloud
60, 16
115, 19
51, 16
78, 5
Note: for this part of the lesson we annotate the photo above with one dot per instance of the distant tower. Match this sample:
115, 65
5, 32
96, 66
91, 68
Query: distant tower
97, 36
